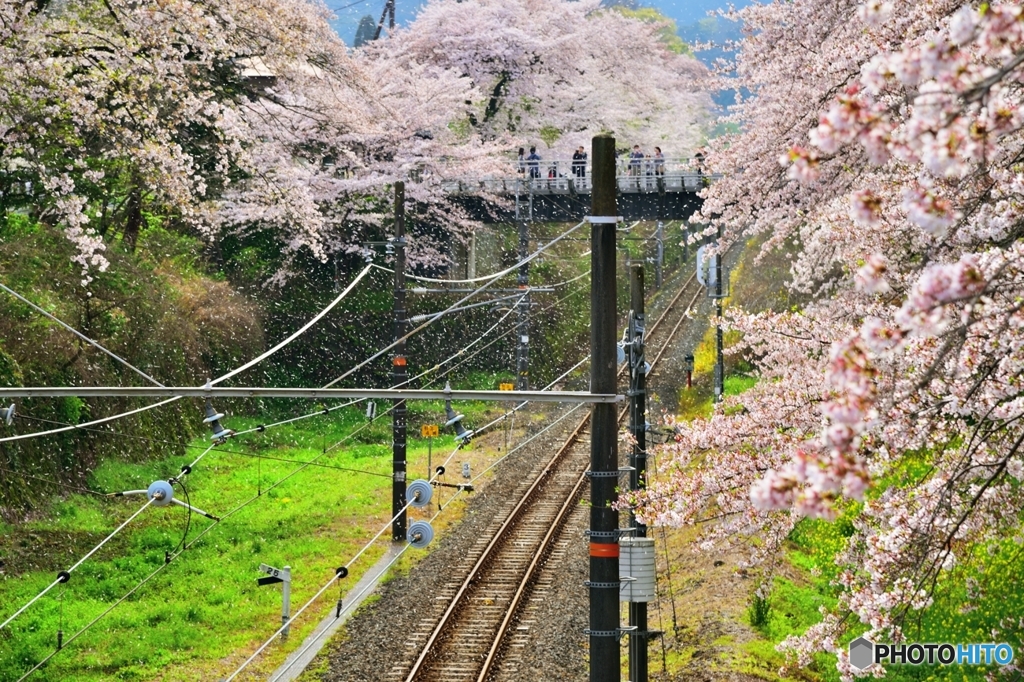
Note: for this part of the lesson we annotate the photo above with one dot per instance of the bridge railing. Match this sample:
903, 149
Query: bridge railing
564, 177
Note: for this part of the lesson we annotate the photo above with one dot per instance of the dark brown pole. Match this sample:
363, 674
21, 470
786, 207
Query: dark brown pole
399, 374
604, 521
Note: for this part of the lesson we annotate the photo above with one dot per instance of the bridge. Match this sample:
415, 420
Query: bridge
557, 191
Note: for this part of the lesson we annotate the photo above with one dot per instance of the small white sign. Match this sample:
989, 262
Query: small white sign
705, 267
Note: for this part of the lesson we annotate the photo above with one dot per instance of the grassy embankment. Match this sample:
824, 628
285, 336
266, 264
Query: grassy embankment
203, 614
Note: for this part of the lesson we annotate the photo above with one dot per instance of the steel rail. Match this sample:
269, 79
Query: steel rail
555, 528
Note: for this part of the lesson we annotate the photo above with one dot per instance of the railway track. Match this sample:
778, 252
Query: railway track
470, 631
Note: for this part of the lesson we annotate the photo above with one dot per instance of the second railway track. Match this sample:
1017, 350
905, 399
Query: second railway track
466, 635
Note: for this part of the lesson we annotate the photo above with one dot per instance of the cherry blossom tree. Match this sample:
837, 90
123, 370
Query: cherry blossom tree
223, 119
560, 71
214, 116
882, 140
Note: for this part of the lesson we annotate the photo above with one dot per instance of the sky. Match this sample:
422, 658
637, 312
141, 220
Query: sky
349, 12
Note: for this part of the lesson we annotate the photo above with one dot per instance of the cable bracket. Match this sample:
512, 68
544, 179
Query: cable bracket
600, 586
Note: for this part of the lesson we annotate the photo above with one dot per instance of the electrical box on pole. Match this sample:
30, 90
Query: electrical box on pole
399, 375
604, 631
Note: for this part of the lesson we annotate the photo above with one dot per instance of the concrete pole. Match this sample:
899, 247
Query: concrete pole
399, 375
604, 521
637, 458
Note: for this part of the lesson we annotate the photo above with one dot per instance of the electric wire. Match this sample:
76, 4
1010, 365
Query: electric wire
263, 427
64, 576
494, 278
484, 278
230, 374
80, 335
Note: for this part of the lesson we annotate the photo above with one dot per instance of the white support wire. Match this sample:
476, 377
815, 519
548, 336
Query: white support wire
61, 579
230, 374
494, 278
79, 334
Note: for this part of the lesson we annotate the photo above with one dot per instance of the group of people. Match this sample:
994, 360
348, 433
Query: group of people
639, 164
531, 164
653, 164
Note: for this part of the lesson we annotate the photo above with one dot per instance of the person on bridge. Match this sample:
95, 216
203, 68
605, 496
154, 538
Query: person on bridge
521, 162
579, 163
533, 161
635, 158
659, 162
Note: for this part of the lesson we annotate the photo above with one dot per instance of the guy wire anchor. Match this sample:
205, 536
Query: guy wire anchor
162, 494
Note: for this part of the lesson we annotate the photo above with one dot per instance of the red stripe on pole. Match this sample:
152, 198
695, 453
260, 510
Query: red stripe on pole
604, 550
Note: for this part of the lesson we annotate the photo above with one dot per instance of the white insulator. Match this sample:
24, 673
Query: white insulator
419, 534
637, 570
161, 493
419, 493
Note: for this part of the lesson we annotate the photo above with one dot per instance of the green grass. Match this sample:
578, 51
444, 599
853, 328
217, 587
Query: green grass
191, 621
998, 571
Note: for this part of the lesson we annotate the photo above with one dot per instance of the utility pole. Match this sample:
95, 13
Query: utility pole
389, 12
719, 362
399, 374
638, 633
523, 326
604, 521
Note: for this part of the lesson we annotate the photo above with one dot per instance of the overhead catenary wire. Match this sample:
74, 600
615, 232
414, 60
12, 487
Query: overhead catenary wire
221, 450
240, 369
212, 382
79, 334
327, 410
